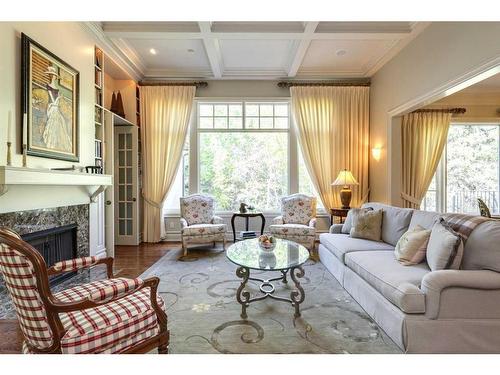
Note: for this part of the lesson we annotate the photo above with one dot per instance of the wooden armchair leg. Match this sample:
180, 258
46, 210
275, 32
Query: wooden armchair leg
184, 248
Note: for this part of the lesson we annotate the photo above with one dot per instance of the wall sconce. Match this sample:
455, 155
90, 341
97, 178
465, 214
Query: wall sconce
377, 153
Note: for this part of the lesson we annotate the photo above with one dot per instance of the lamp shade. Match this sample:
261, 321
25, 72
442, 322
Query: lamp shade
345, 178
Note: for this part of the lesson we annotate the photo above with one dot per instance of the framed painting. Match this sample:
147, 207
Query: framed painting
50, 98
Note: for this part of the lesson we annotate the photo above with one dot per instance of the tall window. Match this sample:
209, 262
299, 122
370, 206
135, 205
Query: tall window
470, 168
241, 151
180, 186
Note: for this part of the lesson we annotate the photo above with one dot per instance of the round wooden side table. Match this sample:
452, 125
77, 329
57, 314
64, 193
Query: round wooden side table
338, 212
247, 216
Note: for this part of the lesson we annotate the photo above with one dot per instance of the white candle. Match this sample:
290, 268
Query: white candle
25, 129
9, 126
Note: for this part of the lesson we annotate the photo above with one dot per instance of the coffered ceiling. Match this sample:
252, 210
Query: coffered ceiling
256, 50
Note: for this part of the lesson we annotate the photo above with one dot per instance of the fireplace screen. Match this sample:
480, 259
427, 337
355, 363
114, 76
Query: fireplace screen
55, 245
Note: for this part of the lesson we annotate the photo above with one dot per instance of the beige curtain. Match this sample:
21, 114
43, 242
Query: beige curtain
423, 137
333, 131
165, 114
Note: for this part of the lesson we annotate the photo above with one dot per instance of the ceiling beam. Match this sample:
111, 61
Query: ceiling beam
301, 50
212, 48
254, 36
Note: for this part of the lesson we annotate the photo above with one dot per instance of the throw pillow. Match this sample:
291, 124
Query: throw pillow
367, 225
346, 227
412, 246
445, 248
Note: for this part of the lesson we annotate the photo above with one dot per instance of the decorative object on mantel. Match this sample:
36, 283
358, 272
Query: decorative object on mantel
50, 98
25, 163
9, 141
345, 179
119, 105
113, 103
72, 168
9, 156
94, 169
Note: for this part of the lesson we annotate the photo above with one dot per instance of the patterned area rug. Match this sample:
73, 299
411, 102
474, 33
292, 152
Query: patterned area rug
204, 316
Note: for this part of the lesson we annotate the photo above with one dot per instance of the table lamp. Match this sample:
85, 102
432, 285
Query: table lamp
345, 179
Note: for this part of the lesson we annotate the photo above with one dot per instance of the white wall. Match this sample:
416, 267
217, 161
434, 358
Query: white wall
73, 44
443, 53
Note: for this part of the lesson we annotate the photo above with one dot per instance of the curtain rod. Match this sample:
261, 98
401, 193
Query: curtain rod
454, 111
173, 83
288, 84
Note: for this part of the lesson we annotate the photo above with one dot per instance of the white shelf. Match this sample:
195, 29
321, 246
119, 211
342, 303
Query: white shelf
31, 176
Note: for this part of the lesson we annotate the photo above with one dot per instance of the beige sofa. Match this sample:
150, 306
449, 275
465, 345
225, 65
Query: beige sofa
423, 311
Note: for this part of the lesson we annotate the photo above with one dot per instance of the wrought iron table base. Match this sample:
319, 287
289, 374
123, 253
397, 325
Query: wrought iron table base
297, 295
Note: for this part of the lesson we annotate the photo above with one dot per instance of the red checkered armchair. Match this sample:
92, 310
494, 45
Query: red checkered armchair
115, 315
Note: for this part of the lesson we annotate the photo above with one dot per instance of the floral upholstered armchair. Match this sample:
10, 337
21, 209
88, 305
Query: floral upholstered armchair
198, 223
114, 315
297, 221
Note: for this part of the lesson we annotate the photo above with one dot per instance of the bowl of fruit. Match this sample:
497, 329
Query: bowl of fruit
267, 243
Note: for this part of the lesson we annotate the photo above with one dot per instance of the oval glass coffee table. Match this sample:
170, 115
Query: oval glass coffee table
286, 258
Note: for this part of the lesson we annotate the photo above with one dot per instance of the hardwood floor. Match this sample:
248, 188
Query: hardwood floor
130, 261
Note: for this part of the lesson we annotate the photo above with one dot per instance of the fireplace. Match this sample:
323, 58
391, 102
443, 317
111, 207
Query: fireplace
41, 222
55, 244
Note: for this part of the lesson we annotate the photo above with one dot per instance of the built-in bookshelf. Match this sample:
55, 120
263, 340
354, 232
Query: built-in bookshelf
98, 108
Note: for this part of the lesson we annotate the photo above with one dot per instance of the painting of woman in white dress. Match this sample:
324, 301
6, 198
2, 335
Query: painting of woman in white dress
50, 92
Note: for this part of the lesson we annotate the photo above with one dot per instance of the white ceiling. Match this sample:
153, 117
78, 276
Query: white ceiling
257, 50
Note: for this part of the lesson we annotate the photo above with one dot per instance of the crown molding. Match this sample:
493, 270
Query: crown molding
95, 29
127, 50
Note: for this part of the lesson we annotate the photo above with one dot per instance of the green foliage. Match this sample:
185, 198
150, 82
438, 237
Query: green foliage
244, 167
472, 166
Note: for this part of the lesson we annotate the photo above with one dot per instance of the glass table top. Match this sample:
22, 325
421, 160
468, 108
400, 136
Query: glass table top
285, 255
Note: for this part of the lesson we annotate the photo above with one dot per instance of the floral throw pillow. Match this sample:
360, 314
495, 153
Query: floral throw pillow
367, 225
412, 246
198, 210
298, 210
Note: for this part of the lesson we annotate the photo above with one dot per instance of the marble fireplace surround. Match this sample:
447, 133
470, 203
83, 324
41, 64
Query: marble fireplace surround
31, 221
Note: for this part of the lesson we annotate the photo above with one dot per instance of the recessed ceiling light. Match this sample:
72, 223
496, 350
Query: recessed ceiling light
190, 50
153, 51
341, 52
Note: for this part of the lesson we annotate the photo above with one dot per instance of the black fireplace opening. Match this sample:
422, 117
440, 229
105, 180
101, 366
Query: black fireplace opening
55, 245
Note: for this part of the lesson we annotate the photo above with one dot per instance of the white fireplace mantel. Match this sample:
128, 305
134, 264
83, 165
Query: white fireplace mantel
30, 176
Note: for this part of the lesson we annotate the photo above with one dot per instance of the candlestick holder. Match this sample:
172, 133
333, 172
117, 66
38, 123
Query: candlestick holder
9, 156
24, 155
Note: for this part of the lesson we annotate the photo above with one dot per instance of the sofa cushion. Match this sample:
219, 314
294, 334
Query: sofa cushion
341, 244
399, 284
395, 221
425, 219
203, 229
482, 250
292, 229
